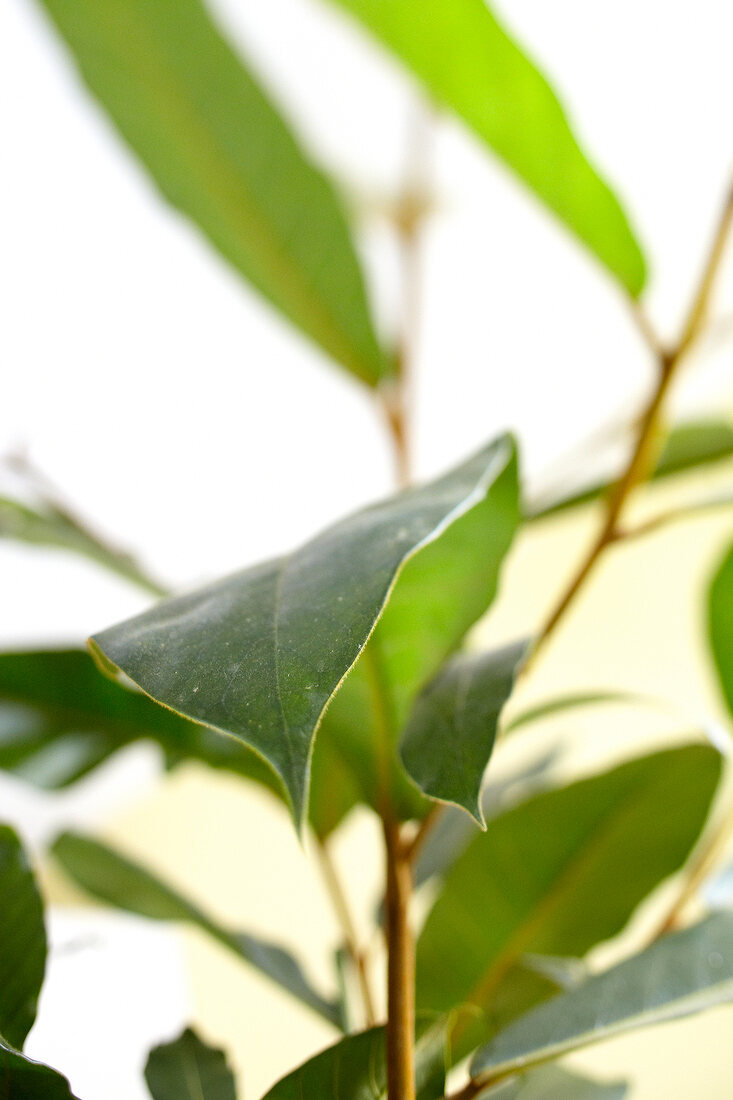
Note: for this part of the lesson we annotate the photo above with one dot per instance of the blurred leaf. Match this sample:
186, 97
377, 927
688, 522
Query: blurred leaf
546, 879
188, 1069
260, 654
23, 1079
355, 1069
554, 1083
60, 718
468, 63
220, 152
720, 624
681, 974
440, 594
689, 445
453, 831
22, 942
110, 877
560, 704
449, 736
48, 525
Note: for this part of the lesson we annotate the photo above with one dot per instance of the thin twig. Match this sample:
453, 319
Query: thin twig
424, 830
341, 908
645, 446
400, 969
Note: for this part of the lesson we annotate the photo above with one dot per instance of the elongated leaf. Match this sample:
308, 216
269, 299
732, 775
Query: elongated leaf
112, 878
23, 1079
688, 446
560, 873
355, 1069
561, 704
469, 63
440, 594
679, 975
554, 1083
450, 734
188, 1069
22, 941
60, 718
47, 525
260, 654
220, 152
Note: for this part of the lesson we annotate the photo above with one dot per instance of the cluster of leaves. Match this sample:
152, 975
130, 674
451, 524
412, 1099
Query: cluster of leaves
338, 675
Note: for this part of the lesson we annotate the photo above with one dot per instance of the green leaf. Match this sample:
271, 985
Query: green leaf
60, 718
51, 526
188, 1069
440, 594
679, 975
544, 878
355, 1069
720, 625
23, 1079
220, 152
22, 941
554, 1083
450, 733
688, 446
469, 64
453, 830
560, 704
116, 880
260, 654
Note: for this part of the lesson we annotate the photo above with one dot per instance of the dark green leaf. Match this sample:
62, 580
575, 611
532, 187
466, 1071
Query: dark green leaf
60, 718
440, 594
469, 64
554, 1083
188, 1069
453, 831
22, 941
720, 623
23, 1079
679, 975
561, 873
220, 152
260, 654
48, 525
110, 877
689, 445
355, 1069
449, 736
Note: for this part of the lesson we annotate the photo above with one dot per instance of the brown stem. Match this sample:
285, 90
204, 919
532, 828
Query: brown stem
341, 908
645, 446
400, 968
424, 830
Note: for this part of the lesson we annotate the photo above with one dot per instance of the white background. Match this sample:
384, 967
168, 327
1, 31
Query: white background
194, 426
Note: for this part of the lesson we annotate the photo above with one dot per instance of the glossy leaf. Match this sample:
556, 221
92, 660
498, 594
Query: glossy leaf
560, 873
260, 654
188, 1069
554, 1083
451, 730
689, 445
469, 64
60, 718
440, 594
50, 526
22, 941
220, 152
681, 974
23, 1079
355, 1069
116, 880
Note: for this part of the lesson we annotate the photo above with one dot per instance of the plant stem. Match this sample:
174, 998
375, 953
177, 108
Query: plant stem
647, 438
400, 968
341, 908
